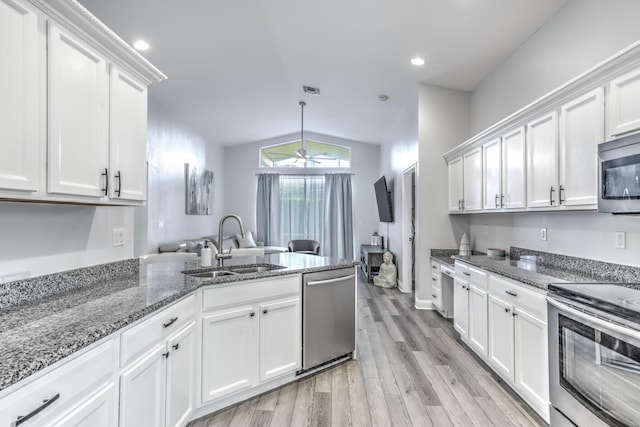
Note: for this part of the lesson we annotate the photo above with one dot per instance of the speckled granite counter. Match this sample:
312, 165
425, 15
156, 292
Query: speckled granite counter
36, 333
444, 255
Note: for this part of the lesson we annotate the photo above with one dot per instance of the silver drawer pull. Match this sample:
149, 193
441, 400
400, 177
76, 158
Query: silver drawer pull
170, 322
434, 279
329, 281
466, 273
45, 403
513, 294
434, 296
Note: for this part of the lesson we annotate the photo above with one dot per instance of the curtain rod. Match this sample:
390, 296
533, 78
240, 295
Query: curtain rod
305, 174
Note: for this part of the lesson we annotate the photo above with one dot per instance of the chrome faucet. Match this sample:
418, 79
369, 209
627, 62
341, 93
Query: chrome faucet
220, 256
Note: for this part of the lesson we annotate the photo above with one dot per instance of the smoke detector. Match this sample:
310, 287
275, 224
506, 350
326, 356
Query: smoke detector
311, 90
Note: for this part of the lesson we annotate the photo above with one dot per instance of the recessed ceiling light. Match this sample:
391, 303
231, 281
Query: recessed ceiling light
140, 45
417, 61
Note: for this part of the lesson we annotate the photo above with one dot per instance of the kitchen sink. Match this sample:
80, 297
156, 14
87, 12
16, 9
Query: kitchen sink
233, 270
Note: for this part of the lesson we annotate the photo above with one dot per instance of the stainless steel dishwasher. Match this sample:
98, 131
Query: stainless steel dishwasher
328, 316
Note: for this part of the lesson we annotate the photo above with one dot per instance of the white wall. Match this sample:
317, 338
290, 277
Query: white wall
581, 35
41, 239
171, 144
241, 166
443, 124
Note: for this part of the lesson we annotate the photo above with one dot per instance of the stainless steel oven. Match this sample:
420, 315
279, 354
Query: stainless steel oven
619, 175
594, 354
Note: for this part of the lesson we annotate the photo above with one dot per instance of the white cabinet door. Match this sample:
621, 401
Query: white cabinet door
20, 122
181, 376
513, 170
472, 180
280, 338
532, 364
542, 162
478, 319
127, 137
97, 411
623, 104
229, 351
501, 337
491, 172
455, 184
78, 117
142, 391
461, 307
581, 130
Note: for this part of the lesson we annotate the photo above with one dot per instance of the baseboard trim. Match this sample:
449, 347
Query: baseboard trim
402, 289
424, 304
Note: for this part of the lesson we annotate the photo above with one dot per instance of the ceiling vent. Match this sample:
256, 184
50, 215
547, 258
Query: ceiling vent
312, 90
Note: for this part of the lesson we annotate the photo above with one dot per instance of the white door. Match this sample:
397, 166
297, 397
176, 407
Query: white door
531, 359
461, 307
501, 338
181, 376
229, 351
513, 170
581, 130
478, 319
406, 279
20, 122
472, 187
96, 411
623, 104
127, 137
142, 391
78, 117
280, 338
542, 162
455, 184
491, 173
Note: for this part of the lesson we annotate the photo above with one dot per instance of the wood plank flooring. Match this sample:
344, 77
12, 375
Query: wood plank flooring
412, 370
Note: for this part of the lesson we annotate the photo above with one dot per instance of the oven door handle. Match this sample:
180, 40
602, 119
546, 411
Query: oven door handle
607, 326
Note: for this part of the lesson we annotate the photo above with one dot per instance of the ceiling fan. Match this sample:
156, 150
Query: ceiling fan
301, 154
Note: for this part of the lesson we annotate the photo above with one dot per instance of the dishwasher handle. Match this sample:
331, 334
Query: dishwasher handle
329, 281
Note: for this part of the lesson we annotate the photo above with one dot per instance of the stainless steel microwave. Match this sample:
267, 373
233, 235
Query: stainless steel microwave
619, 175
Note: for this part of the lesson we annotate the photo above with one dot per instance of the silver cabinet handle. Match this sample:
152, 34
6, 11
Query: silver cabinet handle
506, 310
513, 294
45, 404
496, 201
106, 181
551, 191
466, 273
119, 178
434, 279
329, 281
501, 200
170, 322
434, 296
561, 191
176, 346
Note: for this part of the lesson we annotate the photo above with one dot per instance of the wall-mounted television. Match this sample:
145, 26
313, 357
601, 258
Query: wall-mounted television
383, 197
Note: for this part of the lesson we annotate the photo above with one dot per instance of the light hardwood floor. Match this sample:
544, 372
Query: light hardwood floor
412, 370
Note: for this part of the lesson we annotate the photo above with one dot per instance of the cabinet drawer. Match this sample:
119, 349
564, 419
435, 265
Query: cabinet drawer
156, 328
519, 295
251, 291
471, 274
63, 387
435, 267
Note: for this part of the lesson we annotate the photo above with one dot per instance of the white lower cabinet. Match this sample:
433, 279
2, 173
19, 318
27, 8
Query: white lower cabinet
461, 308
478, 319
157, 388
251, 334
96, 411
501, 337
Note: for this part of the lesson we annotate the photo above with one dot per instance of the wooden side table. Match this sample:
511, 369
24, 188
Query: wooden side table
371, 258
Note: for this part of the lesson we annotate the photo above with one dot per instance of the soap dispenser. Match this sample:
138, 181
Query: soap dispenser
205, 255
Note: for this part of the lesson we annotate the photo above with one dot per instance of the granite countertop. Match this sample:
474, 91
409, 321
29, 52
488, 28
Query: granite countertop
37, 333
541, 278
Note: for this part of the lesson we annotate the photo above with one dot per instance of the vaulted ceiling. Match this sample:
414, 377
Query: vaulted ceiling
236, 67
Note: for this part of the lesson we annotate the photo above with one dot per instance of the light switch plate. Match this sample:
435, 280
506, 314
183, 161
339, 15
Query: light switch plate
118, 237
543, 234
621, 240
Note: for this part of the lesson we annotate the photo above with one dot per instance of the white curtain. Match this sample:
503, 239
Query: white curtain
301, 208
268, 209
337, 241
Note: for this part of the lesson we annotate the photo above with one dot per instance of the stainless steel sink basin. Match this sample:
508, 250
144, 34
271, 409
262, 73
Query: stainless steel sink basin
233, 270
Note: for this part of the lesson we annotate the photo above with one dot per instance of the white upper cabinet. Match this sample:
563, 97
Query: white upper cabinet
472, 180
623, 104
78, 116
542, 161
581, 130
492, 171
20, 140
514, 189
455, 184
128, 137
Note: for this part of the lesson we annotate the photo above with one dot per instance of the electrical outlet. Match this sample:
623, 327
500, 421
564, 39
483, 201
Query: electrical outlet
118, 237
621, 240
543, 234
161, 224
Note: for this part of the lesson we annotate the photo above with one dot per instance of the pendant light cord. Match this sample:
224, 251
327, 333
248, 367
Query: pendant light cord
302, 105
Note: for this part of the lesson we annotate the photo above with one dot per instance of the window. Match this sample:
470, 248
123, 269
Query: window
310, 154
301, 208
